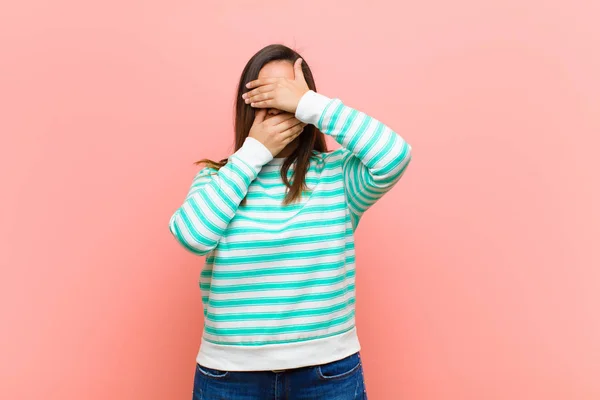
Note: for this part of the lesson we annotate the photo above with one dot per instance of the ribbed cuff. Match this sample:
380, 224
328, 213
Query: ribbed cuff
254, 153
311, 107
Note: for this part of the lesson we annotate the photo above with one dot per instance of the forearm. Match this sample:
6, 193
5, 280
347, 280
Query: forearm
383, 152
214, 199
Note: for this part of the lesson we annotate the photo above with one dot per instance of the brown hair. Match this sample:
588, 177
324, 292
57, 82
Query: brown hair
310, 139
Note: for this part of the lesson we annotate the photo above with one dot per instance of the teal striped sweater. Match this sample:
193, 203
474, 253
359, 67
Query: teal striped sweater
278, 283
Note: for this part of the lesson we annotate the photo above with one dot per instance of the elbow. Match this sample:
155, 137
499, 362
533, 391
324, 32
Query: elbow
403, 157
404, 154
190, 238
200, 250
397, 165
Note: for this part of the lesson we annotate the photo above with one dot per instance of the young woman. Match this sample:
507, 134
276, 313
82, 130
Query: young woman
276, 221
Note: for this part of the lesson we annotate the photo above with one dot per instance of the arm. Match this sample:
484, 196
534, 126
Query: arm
375, 157
214, 198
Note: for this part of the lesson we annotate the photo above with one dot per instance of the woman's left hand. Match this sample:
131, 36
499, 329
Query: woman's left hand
280, 93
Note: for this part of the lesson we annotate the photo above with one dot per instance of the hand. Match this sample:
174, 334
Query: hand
276, 132
280, 93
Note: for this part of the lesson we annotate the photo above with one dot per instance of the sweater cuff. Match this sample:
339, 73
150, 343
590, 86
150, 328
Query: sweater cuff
311, 107
254, 153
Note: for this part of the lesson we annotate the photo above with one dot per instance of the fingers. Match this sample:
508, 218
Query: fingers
260, 115
261, 82
285, 125
259, 90
259, 94
279, 118
292, 133
264, 104
259, 97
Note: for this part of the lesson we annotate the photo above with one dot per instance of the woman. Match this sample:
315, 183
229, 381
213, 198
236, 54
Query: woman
276, 221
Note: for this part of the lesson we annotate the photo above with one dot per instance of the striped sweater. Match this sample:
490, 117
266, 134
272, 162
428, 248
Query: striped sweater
278, 283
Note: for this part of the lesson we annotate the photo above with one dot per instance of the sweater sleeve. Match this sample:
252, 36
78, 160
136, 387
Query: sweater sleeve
374, 156
214, 198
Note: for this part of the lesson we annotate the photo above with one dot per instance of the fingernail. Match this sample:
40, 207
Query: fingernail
244, 96
247, 101
248, 84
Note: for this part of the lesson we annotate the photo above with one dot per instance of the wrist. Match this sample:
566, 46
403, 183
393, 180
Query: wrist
311, 106
301, 94
254, 153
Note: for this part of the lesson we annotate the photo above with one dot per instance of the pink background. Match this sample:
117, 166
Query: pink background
478, 275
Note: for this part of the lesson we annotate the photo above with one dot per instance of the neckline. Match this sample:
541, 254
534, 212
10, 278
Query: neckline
277, 161
280, 160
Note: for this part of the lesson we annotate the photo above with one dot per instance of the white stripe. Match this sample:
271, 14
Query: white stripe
289, 263
293, 219
285, 278
262, 294
268, 236
286, 307
261, 323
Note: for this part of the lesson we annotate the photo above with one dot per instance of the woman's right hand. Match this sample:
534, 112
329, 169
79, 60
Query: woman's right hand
276, 132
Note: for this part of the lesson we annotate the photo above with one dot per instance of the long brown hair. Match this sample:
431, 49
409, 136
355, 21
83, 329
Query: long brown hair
311, 139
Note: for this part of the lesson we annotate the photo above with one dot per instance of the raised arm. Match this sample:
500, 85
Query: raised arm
375, 157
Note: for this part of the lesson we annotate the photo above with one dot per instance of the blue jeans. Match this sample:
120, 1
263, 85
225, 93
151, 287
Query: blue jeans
339, 380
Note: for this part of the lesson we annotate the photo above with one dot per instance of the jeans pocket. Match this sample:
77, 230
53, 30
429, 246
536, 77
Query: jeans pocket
211, 372
339, 369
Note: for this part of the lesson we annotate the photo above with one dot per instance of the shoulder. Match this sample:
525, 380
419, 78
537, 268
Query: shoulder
207, 171
205, 174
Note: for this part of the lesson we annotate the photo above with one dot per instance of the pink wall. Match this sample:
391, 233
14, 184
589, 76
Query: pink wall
478, 276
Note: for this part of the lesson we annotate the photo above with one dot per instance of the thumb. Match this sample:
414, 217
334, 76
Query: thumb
299, 75
260, 115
